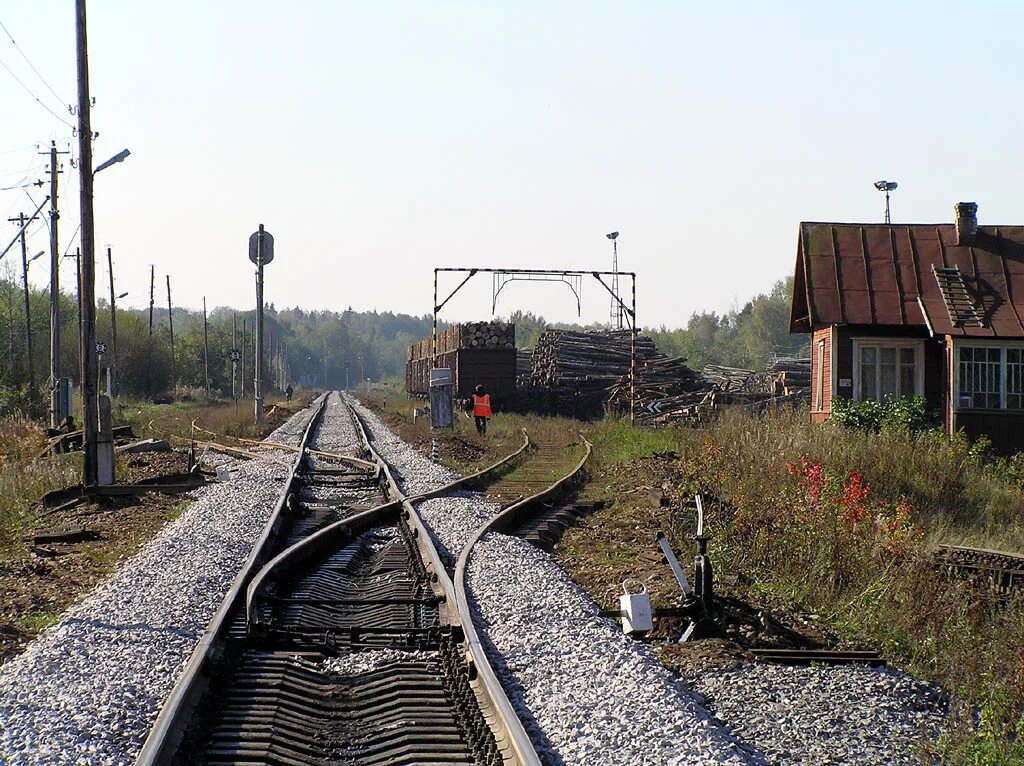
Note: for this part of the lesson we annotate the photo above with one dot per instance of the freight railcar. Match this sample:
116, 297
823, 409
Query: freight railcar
476, 353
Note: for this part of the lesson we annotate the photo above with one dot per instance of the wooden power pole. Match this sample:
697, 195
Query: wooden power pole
87, 265
56, 415
152, 281
23, 222
242, 349
206, 353
170, 322
234, 353
113, 326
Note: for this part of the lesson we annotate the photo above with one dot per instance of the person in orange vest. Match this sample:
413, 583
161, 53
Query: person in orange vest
481, 408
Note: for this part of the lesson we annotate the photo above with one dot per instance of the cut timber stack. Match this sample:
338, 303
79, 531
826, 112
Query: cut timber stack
476, 353
661, 383
576, 370
665, 397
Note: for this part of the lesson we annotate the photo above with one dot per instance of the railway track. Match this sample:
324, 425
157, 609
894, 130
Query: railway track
1004, 571
341, 641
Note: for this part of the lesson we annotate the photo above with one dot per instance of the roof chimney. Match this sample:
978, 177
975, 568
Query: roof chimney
966, 222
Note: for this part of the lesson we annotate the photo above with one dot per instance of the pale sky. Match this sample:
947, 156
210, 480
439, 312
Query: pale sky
377, 140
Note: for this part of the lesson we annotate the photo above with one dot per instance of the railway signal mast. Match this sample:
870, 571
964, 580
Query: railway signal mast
261, 252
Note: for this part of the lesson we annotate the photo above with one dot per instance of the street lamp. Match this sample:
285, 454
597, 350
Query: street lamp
119, 157
886, 186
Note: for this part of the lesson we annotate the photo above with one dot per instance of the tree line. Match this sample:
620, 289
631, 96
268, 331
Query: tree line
313, 348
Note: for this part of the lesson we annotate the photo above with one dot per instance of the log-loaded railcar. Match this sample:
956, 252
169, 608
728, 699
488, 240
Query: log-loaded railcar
476, 352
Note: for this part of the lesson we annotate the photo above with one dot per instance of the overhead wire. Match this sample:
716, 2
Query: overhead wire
31, 65
33, 95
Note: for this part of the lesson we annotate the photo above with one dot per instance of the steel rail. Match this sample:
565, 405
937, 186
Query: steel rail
169, 727
503, 521
511, 738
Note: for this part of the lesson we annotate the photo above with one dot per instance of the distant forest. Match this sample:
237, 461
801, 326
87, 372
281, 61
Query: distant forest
343, 346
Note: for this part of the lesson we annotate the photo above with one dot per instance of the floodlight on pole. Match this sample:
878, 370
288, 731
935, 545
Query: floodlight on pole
37, 255
119, 157
122, 295
886, 186
616, 311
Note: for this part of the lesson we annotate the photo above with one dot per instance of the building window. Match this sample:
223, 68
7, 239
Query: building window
886, 370
990, 377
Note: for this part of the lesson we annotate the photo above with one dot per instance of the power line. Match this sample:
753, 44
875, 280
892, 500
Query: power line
20, 186
41, 78
34, 96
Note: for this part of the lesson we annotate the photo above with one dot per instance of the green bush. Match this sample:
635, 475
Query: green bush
906, 415
23, 401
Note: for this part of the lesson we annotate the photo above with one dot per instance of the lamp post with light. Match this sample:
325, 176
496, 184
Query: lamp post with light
886, 186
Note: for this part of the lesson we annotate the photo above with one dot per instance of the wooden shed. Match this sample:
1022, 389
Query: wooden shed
934, 310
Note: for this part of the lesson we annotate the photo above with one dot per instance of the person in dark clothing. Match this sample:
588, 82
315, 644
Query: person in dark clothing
288, 392
481, 408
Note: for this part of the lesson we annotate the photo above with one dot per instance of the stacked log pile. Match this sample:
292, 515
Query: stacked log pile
524, 363
576, 370
662, 385
682, 398
482, 335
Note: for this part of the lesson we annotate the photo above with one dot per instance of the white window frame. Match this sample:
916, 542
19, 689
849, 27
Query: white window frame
897, 343
958, 345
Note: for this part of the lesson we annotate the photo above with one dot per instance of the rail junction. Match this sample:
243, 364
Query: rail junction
345, 638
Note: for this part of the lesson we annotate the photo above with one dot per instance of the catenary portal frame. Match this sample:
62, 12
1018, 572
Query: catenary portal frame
574, 279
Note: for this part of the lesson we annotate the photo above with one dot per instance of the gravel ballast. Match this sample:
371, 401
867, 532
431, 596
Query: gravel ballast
846, 714
88, 689
587, 693
590, 695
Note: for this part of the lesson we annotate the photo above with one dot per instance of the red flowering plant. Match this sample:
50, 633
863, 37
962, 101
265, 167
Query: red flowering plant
841, 526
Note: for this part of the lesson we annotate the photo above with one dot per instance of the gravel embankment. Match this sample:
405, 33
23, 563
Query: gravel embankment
88, 689
847, 714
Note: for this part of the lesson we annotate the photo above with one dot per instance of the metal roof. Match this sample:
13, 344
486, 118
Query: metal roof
912, 275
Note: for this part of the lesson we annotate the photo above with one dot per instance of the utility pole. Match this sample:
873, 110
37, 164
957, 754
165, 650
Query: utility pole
170, 321
78, 287
23, 223
206, 352
152, 278
242, 349
87, 266
113, 326
234, 362
55, 402
269, 369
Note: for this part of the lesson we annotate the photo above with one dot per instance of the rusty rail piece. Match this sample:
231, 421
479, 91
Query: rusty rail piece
169, 727
513, 744
1003, 569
